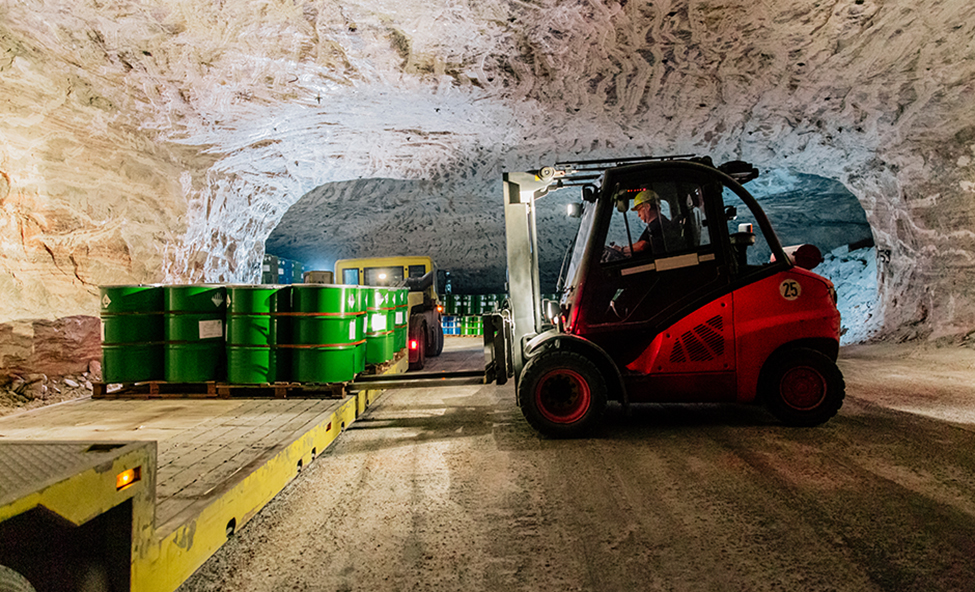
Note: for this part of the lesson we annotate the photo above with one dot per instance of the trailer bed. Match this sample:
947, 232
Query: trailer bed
218, 461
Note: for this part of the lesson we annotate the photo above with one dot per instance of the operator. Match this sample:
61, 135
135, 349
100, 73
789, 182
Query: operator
661, 234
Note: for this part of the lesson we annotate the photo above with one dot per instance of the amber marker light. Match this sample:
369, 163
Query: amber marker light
127, 478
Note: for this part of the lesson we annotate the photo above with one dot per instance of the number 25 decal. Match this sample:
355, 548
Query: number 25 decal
790, 289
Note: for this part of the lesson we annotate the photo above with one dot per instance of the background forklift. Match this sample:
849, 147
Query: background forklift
714, 310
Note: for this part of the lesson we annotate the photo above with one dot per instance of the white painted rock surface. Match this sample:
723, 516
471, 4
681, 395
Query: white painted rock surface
164, 140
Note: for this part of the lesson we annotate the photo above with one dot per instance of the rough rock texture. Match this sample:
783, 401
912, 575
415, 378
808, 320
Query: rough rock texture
65, 346
165, 139
44, 362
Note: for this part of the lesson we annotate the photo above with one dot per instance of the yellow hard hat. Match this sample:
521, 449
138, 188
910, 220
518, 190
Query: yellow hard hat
647, 195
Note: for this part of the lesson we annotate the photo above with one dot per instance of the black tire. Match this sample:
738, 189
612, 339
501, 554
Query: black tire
802, 387
436, 348
420, 335
11, 581
562, 394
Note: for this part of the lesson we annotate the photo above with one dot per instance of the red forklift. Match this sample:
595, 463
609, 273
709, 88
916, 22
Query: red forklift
677, 291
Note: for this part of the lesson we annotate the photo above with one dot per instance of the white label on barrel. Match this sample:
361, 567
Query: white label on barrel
352, 332
103, 330
379, 322
211, 329
399, 317
106, 301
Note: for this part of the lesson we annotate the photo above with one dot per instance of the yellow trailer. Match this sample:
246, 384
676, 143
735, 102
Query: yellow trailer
135, 495
419, 274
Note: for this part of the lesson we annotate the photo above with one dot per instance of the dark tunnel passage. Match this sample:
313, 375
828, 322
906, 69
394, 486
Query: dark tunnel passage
325, 225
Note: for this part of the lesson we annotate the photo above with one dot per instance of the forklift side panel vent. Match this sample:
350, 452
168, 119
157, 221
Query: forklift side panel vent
701, 344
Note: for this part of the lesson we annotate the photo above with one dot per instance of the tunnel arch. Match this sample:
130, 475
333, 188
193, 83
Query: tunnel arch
819, 210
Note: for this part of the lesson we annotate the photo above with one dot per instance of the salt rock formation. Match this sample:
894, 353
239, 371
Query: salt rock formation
64, 346
164, 140
43, 362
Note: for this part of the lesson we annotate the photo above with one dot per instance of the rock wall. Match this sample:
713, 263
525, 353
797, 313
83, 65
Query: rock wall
43, 362
162, 139
86, 196
64, 346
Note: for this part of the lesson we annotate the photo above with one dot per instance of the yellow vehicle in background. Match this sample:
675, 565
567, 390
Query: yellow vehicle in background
419, 274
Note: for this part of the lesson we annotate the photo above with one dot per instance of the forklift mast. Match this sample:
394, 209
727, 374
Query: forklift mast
506, 354
521, 189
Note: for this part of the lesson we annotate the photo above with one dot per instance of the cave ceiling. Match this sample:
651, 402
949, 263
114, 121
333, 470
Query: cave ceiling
165, 140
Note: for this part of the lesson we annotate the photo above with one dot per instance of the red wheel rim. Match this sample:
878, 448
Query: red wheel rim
562, 396
803, 388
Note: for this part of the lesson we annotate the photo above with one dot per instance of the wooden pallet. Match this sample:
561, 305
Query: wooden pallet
382, 368
157, 389
160, 389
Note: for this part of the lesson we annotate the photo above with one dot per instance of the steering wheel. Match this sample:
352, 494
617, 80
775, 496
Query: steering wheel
611, 254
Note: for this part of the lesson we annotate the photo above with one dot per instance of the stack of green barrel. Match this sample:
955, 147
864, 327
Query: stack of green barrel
327, 333
471, 325
132, 333
257, 325
316, 333
193, 326
380, 325
401, 317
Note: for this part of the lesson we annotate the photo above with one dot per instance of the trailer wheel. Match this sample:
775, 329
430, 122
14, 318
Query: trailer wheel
11, 581
802, 387
562, 394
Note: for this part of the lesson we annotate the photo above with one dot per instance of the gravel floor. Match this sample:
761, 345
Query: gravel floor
450, 489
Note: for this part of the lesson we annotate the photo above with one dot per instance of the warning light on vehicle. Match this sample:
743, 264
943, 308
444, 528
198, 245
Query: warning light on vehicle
127, 478
413, 344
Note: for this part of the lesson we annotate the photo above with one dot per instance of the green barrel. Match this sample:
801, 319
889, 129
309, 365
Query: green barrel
457, 304
472, 326
401, 317
476, 306
254, 331
380, 326
360, 348
193, 318
325, 332
132, 333
449, 304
